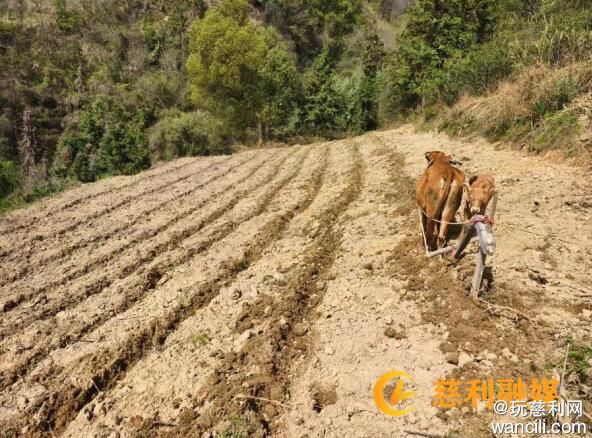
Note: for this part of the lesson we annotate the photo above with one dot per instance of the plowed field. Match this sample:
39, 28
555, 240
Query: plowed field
263, 293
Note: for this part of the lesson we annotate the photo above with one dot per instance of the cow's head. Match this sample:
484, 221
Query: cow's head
479, 194
433, 156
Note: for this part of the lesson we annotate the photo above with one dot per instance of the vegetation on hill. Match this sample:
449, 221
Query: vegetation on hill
91, 88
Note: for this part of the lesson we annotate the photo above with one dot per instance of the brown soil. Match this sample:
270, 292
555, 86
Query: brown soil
263, 294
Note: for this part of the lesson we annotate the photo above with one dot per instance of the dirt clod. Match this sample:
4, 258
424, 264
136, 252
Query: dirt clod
391, 332
452, 358
322, 396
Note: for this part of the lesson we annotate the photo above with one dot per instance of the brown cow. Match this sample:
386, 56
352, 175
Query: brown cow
480, 190
439, 195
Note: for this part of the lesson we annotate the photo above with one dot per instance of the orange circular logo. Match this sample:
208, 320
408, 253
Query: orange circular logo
398, 395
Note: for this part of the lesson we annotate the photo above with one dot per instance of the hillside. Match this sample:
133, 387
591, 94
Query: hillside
264, 293
91, 89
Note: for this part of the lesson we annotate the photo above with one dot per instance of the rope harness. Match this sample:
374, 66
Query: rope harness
421, 210
474, 220
486, 218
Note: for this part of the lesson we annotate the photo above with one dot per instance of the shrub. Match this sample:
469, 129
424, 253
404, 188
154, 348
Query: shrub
542, 108
179, 134
9, 178
556, 96
153, 39
557, 34
556, 130
479, 71
67, 21
8, 31
107, 140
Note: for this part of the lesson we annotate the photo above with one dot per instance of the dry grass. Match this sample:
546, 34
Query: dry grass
542, 108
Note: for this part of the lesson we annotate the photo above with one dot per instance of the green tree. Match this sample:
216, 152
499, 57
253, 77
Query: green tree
324, 106
374, 53
437, 31
108, 140
242, 73
9, 178
281, 87
314, 24
225, 54
124, 147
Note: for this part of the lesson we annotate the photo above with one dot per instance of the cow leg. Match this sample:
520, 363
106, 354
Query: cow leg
428, 227
442, 235
449, 212
431, 233
447, 216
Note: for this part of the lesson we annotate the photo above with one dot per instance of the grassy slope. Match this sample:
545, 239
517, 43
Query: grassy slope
544, 105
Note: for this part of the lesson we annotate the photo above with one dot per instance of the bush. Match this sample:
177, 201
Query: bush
8, 31
153, 39
477, 72
107, 140
324, 103
542, 108
67, 21
560, 92
556, 130
158, 91
9, 178
179, 134
557, 34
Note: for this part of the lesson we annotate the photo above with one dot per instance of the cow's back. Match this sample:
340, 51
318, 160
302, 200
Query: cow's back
432, 187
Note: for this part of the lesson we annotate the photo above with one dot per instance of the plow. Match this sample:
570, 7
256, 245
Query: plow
478, 228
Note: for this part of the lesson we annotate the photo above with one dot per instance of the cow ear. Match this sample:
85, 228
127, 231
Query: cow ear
467, 187
428, 156
493, 190
472, 179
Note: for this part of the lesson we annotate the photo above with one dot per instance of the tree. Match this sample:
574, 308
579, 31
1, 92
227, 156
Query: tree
108, 140
225, 54
313, 25
9, 178
280, 85
374, 53
243, 74
324, 106
437, 31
